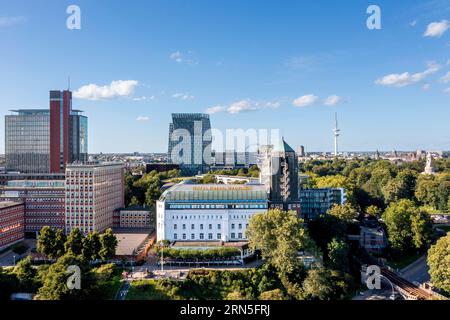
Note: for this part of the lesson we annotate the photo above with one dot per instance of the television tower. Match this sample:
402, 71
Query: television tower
336, 135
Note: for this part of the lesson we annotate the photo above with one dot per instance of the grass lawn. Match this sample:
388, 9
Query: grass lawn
113, 288
445, 228
401, 261
147, 290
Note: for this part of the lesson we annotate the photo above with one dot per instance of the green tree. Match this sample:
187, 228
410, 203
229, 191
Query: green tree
318, 285
275, 294
74, 242
407, 227
345, 212
439, 263
91, 247
108, 243
46, 242
60, 240
373, 211
55, 283
422, 230
153, 191
338, 251
25, 273
280, 235
427, 190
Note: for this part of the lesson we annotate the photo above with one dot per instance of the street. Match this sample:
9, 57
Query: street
417, 271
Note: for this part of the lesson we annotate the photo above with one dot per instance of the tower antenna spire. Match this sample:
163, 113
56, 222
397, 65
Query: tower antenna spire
68, 83
336, 135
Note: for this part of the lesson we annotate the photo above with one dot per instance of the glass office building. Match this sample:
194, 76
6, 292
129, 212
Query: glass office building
27, 141
44, 141
190, 142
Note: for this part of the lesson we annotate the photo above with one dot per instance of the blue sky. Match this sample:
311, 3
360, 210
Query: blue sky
253, 64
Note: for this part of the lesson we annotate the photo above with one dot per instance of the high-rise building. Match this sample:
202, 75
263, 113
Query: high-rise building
190, 142
279, 173
93, 192
43, 200
44, 141
68, 132
27, 141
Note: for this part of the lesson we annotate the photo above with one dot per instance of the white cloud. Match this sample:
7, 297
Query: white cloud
144, 98
216, 109
305, 100
447, 90
181, 57
333, 100
413, 23
243, 106
273, 104
446, 78
426, 86
436, 29
142, 118
8, 21
183, 96
405, 78
118, 88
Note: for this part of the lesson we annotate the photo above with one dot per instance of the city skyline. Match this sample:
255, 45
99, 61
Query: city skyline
261, 69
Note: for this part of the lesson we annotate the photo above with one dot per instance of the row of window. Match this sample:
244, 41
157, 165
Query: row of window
210, 226
209, 236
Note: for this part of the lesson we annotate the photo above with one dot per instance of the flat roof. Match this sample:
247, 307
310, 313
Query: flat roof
5, 204
219, 192
129, 241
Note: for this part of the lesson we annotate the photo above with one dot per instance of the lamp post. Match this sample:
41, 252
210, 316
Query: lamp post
162, 256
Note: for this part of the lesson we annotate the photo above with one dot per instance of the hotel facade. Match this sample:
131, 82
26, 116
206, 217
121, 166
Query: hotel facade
213, 212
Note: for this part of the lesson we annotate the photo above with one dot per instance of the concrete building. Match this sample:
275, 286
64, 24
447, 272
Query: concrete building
93, 192
189, 142
11, 223
316, 202
214, 212
43, 201
372, 239
134, 217
279, 174
45, 140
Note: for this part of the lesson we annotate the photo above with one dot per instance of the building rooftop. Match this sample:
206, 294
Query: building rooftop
36, 183
214, 192
5, 204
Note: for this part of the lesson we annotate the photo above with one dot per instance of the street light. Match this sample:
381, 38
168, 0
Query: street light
162, 256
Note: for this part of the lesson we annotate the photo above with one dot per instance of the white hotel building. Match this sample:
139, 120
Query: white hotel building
211, 212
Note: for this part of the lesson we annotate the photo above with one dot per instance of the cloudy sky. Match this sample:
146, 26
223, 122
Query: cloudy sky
250, 64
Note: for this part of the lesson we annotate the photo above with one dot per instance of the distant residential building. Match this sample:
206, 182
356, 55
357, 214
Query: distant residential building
315, 202
43, 201
161, 167
301, 151
232, 179
373, 239
190, 142
279, 173
93, 192
45, 140
213, 212
12, 223
134, 217
232, 159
